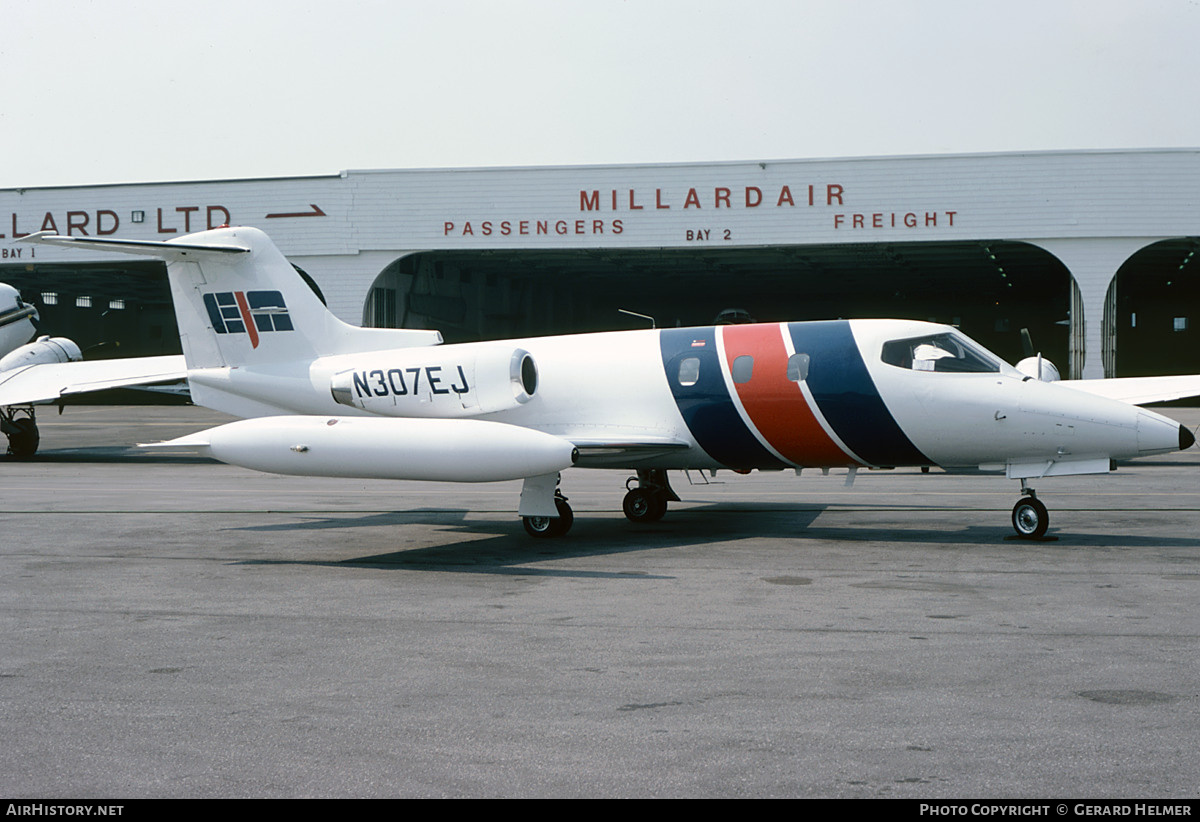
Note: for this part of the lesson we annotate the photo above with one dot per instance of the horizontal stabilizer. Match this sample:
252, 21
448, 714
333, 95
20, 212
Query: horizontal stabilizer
147, 248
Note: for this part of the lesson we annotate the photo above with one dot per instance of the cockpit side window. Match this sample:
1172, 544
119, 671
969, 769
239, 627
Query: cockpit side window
939, 352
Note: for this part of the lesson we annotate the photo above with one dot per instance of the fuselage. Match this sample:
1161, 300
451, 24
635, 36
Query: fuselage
875, 393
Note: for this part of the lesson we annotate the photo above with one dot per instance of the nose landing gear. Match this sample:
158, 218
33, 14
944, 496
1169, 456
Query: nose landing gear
1030, 518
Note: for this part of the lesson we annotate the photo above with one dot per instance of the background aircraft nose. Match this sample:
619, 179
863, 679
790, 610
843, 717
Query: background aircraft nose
1186, 439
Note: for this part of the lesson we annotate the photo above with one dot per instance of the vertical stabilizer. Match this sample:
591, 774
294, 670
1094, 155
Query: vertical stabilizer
248, 308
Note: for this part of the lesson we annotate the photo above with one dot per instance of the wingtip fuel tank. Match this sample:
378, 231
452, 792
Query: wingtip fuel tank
373, 448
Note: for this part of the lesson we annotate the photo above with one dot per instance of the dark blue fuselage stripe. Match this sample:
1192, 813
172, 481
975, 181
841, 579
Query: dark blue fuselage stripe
706, 406
847, 396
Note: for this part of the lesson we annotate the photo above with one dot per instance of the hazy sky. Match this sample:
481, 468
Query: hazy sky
132, 91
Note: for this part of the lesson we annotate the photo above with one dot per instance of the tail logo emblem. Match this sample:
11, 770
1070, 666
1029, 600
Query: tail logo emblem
247, 312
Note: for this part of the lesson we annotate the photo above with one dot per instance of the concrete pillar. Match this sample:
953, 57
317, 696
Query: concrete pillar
1093, 262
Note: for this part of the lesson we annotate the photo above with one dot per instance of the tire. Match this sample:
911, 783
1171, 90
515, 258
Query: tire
643, 505
1030, 518
539, 527
23, 443
546, 527
566, 517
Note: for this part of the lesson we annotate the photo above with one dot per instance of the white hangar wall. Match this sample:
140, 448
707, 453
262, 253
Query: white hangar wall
1091, 210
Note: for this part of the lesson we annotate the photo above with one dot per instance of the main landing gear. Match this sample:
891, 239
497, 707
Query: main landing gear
644, 502
647, 501
1030, 518
22, 432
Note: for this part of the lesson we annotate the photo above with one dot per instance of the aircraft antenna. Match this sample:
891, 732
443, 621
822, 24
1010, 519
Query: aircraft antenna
635, 314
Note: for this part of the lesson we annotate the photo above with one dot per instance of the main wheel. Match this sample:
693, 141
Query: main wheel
644, 505
1030, 518
23, 442
542, 527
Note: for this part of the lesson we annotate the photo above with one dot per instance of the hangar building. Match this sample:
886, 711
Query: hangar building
1092, 251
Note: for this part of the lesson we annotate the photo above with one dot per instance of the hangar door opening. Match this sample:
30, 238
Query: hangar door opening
989, 289
1152, 310
111, 310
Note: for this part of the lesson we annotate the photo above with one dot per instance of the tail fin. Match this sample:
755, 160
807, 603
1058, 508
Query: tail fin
239, 301
246, 308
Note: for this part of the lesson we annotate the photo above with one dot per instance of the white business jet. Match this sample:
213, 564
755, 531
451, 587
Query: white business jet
323, 398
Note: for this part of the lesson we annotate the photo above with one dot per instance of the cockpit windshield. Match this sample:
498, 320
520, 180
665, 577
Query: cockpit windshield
947, 352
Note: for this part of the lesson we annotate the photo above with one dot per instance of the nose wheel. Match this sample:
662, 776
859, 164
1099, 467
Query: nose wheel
1030, 518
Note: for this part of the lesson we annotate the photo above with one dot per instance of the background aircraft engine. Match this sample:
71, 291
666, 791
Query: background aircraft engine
452, 381
1034, 364
1039, 368
40, 351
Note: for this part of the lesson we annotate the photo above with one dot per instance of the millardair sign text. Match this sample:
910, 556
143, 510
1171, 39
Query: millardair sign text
718, 197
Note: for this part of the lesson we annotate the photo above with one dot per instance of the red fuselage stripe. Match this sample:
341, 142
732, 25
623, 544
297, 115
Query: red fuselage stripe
775, 405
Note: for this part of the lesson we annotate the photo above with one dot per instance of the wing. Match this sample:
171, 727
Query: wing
1140, 390
52, 381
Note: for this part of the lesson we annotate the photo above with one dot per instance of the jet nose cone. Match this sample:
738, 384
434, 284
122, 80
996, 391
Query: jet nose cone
1157, 434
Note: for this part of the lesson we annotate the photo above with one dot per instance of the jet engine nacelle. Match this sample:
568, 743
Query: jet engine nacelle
1039, 368
41, 351
451, 381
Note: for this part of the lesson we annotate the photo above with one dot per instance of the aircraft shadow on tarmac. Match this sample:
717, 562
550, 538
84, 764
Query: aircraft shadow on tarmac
499, 545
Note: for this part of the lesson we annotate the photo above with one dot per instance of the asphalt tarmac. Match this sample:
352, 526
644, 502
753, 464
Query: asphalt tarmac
174, 627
